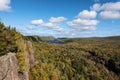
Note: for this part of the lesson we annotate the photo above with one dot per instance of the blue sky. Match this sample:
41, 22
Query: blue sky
62, 18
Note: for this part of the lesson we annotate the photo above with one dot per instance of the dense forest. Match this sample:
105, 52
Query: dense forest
66, 58
78, 59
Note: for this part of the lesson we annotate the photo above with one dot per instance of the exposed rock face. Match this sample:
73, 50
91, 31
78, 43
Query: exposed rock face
25, 74
29, 59
31, 54
8, 67
9, 64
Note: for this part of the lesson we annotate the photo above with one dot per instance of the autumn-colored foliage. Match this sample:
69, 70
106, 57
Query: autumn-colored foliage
77, 59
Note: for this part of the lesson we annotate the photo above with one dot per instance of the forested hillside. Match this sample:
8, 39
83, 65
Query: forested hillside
72, 59
78, 59
16, 54
7, 39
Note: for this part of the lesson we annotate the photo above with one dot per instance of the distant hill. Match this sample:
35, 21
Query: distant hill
66, 40
39, 38
113, 37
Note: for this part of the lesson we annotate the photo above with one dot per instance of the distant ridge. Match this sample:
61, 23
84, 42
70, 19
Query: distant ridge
39, 38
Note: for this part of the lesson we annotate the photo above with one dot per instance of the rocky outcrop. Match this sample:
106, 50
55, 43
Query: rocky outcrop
9, 67
15, 65
29, 58
31, 52
9, 63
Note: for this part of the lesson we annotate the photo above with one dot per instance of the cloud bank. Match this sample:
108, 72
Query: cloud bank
109, 10
84, 21
54, 23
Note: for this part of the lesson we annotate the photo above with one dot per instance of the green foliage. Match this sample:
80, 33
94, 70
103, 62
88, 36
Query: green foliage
21, 61
10, 41
77, 59
7, 40
20, 53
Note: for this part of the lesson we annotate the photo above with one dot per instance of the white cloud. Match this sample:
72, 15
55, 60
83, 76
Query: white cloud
37, 22
54, 23
53, 26
84, 21
110, 15
107, 6
76, 26
79, 24
96, 7
111, 6
109, 10
4, 5
87, 14
57, 20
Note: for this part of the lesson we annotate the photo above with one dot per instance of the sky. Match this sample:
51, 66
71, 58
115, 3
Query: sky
62, 18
